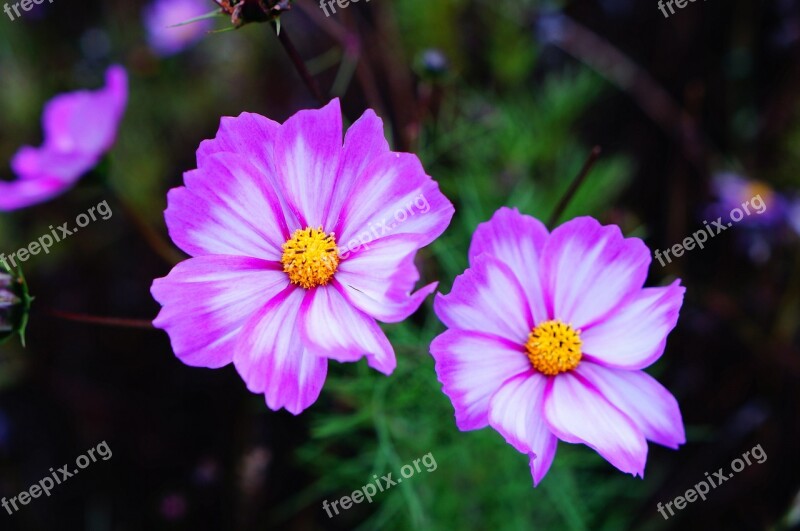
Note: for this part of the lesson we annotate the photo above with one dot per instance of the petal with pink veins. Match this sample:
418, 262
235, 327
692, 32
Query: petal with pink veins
515, 411
637, 394
472, 366
341, 332
307, 152
253, 137
226, 208
363, 142
248, 134
517, 241
378, 279
208, 300
589, 269
394, 196
487, 298
634, 336
578, 413
271, 358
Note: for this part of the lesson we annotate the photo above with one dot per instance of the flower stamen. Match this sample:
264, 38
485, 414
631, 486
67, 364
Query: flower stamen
554, 347
310, 257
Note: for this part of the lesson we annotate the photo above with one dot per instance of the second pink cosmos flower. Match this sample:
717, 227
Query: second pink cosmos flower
298, 249
548, 333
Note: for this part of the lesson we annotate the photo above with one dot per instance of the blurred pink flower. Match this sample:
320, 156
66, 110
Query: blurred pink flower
270, 286
548, 333
79, 128
161, 17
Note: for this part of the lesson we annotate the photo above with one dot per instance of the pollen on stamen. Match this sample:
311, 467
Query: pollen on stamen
310, 257
554, 347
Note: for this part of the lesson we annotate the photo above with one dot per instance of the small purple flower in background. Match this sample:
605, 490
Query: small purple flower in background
763, 220
79, 128
732, 191
548, 335
296, 251
161, 17
794, 215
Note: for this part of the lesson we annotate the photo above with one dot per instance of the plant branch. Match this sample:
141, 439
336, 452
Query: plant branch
573, 188
298, 63
103, 321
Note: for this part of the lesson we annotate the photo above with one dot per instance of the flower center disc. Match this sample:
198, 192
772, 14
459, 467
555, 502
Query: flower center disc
554, 347
310, 257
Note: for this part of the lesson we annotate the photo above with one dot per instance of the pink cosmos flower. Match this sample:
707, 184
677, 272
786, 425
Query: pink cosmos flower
79, 128
162, 16
299, 244
548, 333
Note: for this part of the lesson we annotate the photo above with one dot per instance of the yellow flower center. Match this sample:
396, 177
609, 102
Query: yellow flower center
310, 257
758, 188
554, 347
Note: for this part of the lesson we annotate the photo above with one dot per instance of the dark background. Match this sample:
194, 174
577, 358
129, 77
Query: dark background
528, 89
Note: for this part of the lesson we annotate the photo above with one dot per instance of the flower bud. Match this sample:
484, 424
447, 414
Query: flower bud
245, 11
15, 304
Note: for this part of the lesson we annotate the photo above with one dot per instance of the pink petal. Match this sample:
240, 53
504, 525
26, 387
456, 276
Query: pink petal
226, 207
635, 334
307, 154
250, 135
87, 121
378, 279
27, 191
45, 163
516, 412
589, 269
341, 332
472, 366
271, 358
363, 143
517, 241
540, 463
578, 413
79, 128
393, 196
206, 302
645, 401
487, 298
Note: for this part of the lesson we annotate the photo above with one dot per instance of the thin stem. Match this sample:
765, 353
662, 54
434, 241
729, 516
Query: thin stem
151, 236
104, 321
298, 62
576, 184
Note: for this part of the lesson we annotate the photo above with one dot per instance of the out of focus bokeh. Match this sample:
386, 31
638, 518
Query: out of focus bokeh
503, 100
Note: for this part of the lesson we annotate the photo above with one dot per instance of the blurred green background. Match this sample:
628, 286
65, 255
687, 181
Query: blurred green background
503, 101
